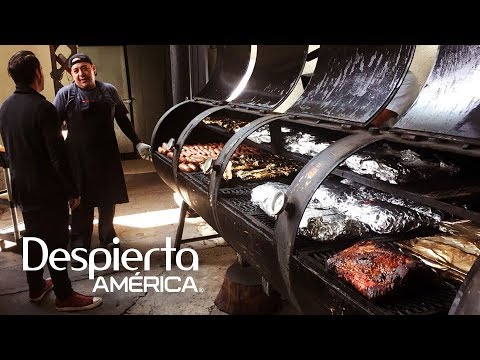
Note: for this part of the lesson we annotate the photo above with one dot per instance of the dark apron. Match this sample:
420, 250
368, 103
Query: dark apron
94, 155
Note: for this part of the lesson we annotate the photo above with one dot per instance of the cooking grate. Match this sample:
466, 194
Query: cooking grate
265, 220
200, 179
243, 204
239, 200
432, 300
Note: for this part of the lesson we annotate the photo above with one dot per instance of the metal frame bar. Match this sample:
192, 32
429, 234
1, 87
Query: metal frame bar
221, 162
181, 224
299, 194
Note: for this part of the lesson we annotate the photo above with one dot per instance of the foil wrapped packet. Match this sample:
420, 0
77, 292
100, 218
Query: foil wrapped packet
363, 205
305, 144
329, 225
368, 194
262, 135
399, 166
434, 251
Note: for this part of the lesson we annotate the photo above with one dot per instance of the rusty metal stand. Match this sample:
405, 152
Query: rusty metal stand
181, 223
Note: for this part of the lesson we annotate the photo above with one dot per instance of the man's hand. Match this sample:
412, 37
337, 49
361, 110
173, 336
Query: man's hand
74, 203
145, 151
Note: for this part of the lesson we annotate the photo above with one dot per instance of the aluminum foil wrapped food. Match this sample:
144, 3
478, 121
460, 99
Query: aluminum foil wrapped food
305, 144
462, 235
262, 135
433, 250
399, 166
329, 225
379, 216
367, 194
266, 196
317, 224
341, 211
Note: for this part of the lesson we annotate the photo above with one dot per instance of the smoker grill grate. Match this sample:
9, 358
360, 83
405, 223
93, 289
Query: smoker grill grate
242, 204
230, 192
200, 179
265, 220
239, 200
436, 299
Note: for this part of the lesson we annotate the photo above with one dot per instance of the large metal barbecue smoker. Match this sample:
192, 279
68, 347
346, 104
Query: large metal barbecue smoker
350, 86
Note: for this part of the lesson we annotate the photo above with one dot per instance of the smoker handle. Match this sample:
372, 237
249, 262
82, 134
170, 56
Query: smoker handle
184, 136
221, 162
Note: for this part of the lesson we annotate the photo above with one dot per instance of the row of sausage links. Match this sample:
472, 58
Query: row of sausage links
209, 149
193, 156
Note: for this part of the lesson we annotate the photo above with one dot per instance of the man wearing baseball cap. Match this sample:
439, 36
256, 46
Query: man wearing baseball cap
89, 107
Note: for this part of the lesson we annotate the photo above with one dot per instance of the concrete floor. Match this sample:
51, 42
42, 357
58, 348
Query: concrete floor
144, 223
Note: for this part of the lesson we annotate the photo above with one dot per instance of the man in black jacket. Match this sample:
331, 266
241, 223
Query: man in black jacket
42, 184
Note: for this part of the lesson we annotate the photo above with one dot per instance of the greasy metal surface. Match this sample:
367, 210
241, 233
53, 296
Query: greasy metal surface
300, 193
449, 103
277, 70
221, 162
231, 65
185, 134
172, 122
354, 83
467, 301
163, 166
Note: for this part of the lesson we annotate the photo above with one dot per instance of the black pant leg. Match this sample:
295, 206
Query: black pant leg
33, 228
82, 227
51, 226
106, 231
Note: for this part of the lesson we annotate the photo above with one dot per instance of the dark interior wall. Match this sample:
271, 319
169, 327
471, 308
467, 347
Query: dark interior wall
149, 72
199, 67
189, 66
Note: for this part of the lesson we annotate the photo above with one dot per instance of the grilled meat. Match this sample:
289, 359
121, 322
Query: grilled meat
376, 269
231, 125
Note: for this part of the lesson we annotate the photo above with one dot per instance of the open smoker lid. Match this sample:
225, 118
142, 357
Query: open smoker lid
352, 84
231, 65
277, 70
449, 104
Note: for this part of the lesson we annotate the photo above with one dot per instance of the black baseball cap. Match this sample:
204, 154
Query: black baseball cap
80, 57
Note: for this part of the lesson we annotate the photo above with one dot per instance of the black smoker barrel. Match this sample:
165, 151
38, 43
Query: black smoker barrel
276, 71
341, 90
435, 126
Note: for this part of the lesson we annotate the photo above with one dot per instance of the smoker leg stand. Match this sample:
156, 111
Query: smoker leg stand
181, 224
179, 234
